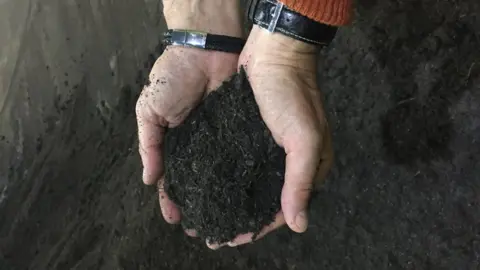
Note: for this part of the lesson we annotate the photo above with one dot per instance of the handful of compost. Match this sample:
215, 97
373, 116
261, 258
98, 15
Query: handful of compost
223, 168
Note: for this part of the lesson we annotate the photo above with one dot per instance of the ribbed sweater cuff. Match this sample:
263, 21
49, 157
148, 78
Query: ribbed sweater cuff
332, 12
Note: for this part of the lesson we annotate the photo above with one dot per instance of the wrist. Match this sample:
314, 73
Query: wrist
212, 16
282, 49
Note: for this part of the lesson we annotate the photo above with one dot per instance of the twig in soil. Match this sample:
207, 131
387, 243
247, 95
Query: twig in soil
470, 71
405, 101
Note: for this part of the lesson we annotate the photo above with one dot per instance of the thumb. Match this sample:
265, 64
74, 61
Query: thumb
150, 136
301, 166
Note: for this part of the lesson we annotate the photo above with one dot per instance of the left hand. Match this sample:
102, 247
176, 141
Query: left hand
282, 72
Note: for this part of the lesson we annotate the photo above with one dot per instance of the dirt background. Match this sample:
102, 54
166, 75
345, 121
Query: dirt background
402, 86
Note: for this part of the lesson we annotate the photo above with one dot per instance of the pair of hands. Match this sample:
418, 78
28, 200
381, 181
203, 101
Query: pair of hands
282, 73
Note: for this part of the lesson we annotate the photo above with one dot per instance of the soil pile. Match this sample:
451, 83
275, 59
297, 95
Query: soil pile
223, 168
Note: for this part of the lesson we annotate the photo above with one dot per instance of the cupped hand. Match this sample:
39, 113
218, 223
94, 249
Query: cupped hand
282, 72
179, 80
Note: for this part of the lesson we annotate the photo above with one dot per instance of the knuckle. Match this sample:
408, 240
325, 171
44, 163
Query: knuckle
148, 104
300, 193
299, 187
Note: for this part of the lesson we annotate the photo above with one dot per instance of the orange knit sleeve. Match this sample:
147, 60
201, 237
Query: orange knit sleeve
332, 12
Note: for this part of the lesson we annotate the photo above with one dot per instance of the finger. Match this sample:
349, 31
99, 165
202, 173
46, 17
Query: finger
170, 211
191, 233
248, 238
150, 136
300, 170
214, 246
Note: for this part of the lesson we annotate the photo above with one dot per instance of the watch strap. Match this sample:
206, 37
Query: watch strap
276, 17
203, 40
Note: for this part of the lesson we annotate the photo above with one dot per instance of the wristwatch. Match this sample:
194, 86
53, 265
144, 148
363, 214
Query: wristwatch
274, 16
203, 40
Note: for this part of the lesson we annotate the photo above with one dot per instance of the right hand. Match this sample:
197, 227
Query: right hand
179, 80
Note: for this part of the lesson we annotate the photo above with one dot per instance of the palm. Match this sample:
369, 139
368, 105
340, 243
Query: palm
290, 104
176, 86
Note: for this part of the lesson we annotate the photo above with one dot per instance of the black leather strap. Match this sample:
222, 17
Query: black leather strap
202, 40
277, 17
224, 43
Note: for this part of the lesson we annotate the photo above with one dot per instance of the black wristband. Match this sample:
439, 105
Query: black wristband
202, 40
276, 17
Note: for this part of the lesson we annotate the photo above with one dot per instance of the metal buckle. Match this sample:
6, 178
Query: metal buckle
252, 8
275, 13
186, 38
275, 16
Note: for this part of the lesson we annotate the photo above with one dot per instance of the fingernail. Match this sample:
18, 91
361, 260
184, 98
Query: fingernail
213, 246
191, 232
301, 220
